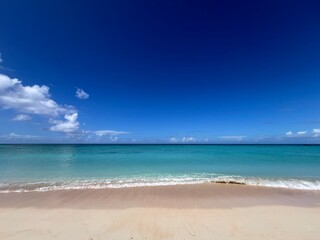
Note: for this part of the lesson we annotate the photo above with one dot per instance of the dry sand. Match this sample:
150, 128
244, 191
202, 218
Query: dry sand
206, 211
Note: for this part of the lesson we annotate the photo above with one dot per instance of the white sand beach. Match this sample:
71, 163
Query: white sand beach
204, 211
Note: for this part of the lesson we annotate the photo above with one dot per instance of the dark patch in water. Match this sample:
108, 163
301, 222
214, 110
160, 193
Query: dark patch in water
229, 182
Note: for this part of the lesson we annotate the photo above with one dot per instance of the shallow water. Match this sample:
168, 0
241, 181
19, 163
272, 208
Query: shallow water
51, 167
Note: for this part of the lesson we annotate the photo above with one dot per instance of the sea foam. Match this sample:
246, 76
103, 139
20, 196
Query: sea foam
141, 181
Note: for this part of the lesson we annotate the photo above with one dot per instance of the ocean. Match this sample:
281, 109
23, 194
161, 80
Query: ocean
55, 167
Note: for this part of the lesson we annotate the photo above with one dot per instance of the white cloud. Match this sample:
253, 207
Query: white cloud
81, 94
302, 133
36, 99
28, 99
21, 117
101, 133
69, 125
173, 140
18, 136
114, 139
188, 139
232, 138
289, 133
316, 130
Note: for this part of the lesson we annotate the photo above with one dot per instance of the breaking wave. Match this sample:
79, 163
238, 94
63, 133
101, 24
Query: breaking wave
141, 181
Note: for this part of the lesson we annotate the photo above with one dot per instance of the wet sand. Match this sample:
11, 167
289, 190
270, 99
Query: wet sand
204, 211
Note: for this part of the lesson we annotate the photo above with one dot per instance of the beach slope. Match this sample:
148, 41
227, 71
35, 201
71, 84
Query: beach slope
203, 211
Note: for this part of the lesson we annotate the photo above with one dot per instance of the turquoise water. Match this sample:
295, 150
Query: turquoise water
50, 167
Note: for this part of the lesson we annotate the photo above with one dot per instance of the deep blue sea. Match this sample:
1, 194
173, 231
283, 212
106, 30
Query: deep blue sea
54, 167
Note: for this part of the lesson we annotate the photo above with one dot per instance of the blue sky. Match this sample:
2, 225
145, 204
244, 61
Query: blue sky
160, 71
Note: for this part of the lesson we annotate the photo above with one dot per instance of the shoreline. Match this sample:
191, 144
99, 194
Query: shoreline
291, 184
200, 211
196, 195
